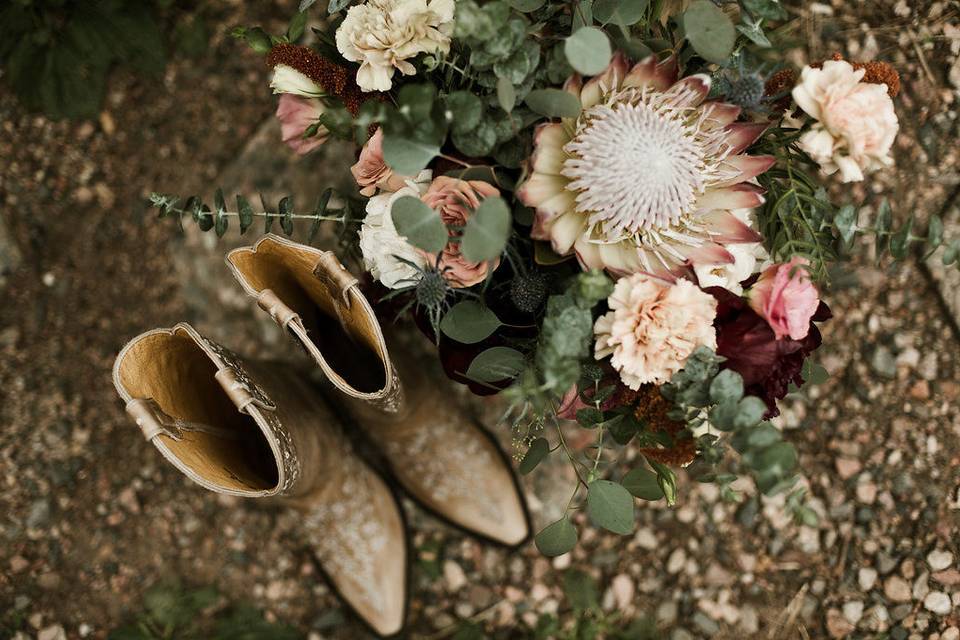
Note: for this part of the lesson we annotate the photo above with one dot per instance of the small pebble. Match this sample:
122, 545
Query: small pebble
939, 559
937, 602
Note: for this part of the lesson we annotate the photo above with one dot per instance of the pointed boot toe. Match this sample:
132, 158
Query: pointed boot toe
255, 429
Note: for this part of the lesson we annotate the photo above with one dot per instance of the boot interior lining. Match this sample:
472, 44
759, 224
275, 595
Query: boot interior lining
179, 376
349, 347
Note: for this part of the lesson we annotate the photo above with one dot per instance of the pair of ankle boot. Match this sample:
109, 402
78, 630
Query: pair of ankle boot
257, 429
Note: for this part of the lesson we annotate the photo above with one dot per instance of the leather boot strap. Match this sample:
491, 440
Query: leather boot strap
154, 421
335, 276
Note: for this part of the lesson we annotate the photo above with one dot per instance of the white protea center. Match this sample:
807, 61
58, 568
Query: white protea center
635, 166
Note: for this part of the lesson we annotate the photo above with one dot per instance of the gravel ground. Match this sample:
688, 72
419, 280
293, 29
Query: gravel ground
90, 517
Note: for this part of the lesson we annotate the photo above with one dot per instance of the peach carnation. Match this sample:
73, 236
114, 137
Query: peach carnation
856, 123
456, 200
653, 326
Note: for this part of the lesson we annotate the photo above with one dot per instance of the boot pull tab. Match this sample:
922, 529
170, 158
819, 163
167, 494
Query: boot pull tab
242, 390
335, 276
277, 308
154, 421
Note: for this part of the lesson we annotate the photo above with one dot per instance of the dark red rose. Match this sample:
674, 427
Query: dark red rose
767, 365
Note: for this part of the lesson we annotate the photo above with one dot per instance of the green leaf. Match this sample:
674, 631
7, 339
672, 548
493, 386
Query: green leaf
751, 411
286, 215
900, 241
337, 5
846, 222
297, 25
620, 12
406, 156
589, 417
487, 230
556, 539
245, 212
258, 40
469, 322
951, 254
710, 31
419, 224
506, 94
934, 233
553, 103
268, 216
724, 415
221, 222
727, 386
319, 210
538, 450
642, 483
814, 373
882, 229
581, 590
466, 110
667, 480
610, 506
495, 364
588, 50
526, 6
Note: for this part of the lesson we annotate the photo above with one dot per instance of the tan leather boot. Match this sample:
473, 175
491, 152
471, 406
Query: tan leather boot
255, 430
438, 453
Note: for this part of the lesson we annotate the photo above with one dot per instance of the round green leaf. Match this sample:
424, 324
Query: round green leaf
469, 322
465, 109
556, 539
495, 364
553, 103
610, 506
588, 50
538, 450
727, 386
643, 483
487, 230
619, 12
710, 31
526, 6
407, 157
420, 224
506, 94
752, 410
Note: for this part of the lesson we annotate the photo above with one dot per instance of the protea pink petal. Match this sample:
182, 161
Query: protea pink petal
721, 113
748, 166
588, 254
642, 73
666, 73
558, 204
727, 228
738, 196
565, 230
548, 141
743, 134
692, 90
611, 78
574, 85
539, 188
708, 253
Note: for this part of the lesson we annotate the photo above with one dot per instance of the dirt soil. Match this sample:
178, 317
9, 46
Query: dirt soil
91, 516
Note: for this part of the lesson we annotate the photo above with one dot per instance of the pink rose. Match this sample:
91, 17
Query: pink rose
786, 298
296, 114
371, 171
456, 200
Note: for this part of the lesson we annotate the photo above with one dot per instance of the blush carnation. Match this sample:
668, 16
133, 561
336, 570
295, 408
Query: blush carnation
652, 328
296, 115
856, 123
786, 298
455, 201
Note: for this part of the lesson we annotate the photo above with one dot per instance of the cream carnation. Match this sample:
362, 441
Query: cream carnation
653, 326
856, 123
383, 247
383, 35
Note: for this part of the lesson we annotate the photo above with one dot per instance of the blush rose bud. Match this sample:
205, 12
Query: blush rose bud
785, 297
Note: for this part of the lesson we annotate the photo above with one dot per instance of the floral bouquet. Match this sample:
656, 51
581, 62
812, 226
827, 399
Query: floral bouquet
610, 212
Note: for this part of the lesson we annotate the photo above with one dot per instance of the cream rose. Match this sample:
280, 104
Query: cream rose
652, 328
383, 35
382, 247
856, 123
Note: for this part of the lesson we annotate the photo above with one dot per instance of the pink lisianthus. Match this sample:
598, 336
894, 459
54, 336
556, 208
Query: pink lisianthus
296, 114
786, 298
456, 200
371, 171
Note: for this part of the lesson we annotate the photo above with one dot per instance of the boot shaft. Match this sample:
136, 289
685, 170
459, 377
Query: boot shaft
233, 426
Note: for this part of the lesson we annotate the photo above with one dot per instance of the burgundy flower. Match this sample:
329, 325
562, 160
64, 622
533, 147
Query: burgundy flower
751, 348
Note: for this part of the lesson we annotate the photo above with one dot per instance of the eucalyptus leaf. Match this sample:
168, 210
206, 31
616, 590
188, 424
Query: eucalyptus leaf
487, 230
846, 223
934, 232
610, 506
495, 364
553, 103
286, 215
538, 450
526, 6
900, 241
710, 31
620, 12
588, 50
297, 25
643, 483
221, 222
882, 229
466, 110
727, 386
506, 94
752, 409
556, 539
407, 156
469, 322
245, 212
419, 224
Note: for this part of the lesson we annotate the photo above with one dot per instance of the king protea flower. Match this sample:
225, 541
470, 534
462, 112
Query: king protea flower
644, 179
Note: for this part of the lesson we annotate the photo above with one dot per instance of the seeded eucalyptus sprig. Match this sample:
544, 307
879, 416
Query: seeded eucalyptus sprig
218, 217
